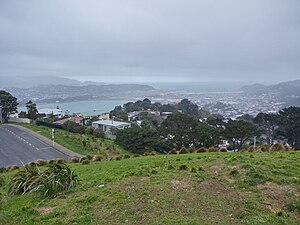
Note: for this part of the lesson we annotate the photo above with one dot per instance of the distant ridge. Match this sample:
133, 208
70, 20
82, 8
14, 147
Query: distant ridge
32, 81
288, 92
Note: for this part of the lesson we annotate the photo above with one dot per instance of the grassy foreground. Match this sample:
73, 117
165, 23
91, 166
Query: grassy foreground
82, 144
203, 188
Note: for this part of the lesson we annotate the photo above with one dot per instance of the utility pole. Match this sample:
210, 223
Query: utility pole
1, 118
52, 135
254, 142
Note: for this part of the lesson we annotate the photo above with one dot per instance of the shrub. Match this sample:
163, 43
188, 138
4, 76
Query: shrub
116, 157
251, 148
192, 150
83, 159
3, 170
136, 155
89, 157
223, 149
288, 148
201, 150
41, 162
212, 149
183, 167
98, 133
13, 167
173, 151
126, 156
32, 164
183, 150
74, 159
146, 154
57, 178
264, 148
277, 147
51, 161
96, 158
85, 162
193, 170
60, 161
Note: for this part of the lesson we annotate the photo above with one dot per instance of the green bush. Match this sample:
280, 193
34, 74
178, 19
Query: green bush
57, 178
183, 167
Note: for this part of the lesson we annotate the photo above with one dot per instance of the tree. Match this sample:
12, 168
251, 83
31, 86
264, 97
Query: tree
8, 103
206, 135
178, 129
240, 131
289, 125
139, 140
188, 107
32, 110
268, 123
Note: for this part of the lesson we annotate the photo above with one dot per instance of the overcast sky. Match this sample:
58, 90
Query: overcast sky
152, 40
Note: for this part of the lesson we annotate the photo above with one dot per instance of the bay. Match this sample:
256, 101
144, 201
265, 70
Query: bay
87, 108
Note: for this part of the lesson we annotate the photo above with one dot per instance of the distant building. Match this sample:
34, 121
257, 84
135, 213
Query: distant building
104, 116
76, 119
107, 125
48, 112
164, 115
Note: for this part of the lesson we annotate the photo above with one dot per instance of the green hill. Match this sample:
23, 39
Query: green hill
203, 188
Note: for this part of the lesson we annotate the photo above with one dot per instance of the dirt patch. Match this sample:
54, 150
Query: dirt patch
46, 210
216, 170
181, 185
278, 196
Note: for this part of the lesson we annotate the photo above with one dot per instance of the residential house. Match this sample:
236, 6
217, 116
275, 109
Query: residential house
107, 125
76, 119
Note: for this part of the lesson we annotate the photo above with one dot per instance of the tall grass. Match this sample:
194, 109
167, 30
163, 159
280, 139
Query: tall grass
57, 178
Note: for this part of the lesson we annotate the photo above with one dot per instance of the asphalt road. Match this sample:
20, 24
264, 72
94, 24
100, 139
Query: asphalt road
18, 147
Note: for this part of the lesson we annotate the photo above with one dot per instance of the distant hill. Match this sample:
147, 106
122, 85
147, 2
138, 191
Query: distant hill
287, 92
32, 81
66, 93
285, 88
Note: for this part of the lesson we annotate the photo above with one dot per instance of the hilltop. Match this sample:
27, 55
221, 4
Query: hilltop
203, 188
288, 92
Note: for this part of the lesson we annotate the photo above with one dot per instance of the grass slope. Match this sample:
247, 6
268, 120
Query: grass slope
83, 144
203, 188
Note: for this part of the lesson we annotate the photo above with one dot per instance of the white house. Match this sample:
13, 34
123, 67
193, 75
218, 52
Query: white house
106, 125
55, 112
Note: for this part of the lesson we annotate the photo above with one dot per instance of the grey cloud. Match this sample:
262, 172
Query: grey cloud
257, 40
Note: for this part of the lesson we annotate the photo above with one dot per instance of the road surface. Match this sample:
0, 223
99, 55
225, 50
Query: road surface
18, 147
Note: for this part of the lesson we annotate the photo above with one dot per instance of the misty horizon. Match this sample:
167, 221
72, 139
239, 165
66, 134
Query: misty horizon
152, 42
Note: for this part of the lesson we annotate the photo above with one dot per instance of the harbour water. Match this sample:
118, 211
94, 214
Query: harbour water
87, 108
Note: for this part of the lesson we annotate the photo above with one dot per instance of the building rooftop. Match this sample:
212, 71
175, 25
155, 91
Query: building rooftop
111, 123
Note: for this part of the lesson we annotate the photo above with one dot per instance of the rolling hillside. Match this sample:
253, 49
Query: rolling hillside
203, 188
